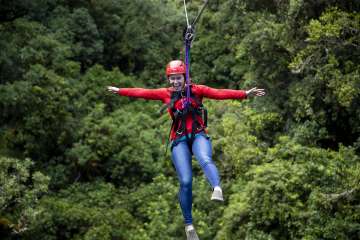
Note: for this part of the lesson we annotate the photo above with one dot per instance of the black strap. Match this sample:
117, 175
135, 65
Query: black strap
194, 124
205, 116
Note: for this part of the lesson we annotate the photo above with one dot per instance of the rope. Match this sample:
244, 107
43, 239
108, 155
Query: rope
187, 19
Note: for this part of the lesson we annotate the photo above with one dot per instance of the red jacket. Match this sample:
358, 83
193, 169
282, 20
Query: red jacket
200, 91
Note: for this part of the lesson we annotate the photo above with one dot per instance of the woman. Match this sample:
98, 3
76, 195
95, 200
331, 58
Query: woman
188, 134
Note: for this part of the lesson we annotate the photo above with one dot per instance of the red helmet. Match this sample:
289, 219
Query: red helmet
175, 67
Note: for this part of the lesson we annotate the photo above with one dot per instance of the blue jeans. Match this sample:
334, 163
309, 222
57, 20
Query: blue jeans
181, 158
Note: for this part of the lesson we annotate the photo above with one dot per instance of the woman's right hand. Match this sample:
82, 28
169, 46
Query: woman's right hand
113, 89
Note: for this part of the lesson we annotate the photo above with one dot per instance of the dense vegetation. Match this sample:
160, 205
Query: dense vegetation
79, 163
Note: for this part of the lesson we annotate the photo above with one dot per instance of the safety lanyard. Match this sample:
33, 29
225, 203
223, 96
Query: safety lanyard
188, 38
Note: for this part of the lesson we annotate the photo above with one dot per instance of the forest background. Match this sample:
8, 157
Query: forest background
77, 162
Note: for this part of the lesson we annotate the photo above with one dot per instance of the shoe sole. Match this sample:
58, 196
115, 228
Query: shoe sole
217, 199
217, 196
191, 235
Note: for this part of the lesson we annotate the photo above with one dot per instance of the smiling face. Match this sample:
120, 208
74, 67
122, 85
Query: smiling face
177, 81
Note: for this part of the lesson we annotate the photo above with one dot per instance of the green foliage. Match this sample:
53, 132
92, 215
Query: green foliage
91, 89
88, 42
41, 106
285, 198
125, 151
289, 161
21, 189
329, 92
85, 211
139, 36
159, 213
253, 130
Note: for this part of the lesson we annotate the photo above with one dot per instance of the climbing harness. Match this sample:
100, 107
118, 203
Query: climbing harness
195, 108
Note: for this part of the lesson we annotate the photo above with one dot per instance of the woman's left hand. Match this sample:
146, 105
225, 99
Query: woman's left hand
255, 92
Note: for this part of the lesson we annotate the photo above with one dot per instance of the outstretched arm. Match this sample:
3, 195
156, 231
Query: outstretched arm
220, 94
152, 94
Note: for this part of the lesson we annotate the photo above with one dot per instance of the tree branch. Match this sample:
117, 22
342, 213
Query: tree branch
337, 196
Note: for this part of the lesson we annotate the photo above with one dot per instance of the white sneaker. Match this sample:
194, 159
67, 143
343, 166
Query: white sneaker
191, 233
217, 194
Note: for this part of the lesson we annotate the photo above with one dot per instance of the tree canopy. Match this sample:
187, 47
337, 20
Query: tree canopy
79, 163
